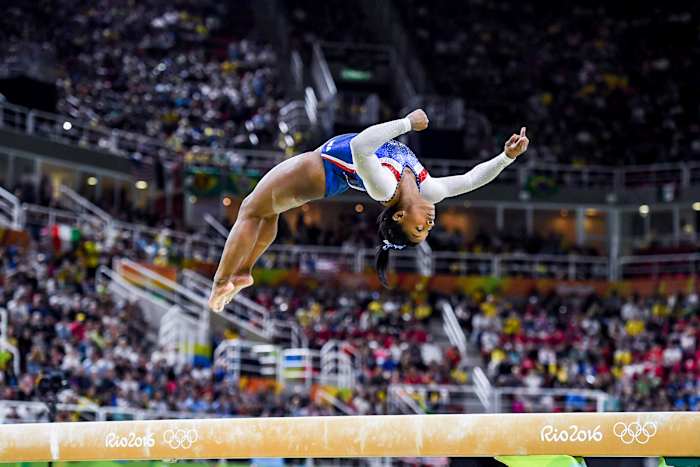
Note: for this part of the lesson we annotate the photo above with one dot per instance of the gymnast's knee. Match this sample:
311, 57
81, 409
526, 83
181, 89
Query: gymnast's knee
249, 209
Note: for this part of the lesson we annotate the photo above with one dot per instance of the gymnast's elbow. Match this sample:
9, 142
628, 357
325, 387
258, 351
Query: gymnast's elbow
357, 148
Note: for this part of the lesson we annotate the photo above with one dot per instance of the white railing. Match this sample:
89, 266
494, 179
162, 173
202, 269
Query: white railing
123, 144
482, 387
216, 225
247, 314
402, 401
303, 367
318, 259
570, 267
84, 205
549, 400
337, 368
434, 398
298, 368
343, 408
315, 259
11, 213
117, 142
178, 333
160, 286
189, 245
36, 215
438, 398
154, 308
424, 259
657, 265
238, 356
12, 411
453, 330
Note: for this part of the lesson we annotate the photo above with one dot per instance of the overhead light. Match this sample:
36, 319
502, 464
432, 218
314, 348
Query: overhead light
67, 125
141, 184
643, 210
696, 206
92, 181
359, 207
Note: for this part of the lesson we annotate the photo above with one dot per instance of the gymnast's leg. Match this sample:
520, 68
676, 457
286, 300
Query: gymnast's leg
290, 184
266, 235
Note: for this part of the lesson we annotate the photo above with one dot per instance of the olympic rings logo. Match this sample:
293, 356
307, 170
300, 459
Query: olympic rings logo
635, 432
180, 438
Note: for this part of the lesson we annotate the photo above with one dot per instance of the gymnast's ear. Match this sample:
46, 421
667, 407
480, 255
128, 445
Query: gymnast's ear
398, 216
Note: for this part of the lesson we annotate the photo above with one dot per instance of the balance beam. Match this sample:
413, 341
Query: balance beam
675, 434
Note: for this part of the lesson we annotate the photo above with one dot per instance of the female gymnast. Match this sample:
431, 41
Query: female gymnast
371, 161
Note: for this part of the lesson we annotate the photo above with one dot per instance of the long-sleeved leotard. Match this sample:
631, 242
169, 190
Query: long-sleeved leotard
381, 183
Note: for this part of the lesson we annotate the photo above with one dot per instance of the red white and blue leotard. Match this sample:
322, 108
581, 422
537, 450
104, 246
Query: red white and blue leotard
374, 162
342, 174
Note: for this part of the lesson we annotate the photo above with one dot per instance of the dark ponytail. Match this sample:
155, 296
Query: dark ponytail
392, 237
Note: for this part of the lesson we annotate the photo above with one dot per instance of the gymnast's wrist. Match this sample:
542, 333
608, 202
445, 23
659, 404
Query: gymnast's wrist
407, 125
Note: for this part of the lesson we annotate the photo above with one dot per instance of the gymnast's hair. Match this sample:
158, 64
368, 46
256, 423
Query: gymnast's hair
393, 238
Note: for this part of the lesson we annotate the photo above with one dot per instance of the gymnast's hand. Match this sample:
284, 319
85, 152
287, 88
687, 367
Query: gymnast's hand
516, 144
419, 120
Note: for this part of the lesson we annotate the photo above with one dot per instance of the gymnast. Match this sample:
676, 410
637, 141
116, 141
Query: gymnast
370, 161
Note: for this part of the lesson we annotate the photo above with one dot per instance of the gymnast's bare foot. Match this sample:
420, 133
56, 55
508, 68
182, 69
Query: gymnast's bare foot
223, 291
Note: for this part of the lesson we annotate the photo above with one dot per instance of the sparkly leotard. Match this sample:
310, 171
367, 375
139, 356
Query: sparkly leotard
340, 169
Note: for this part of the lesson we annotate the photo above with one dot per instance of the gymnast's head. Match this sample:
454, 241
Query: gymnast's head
401, 226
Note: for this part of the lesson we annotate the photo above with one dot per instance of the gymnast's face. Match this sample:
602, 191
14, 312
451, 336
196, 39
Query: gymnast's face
416, 221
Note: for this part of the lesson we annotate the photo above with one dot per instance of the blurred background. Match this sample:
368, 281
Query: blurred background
130, 131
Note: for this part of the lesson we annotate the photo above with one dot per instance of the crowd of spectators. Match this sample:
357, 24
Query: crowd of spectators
61, 319
184, 72
643, 351
589, 82
597, 84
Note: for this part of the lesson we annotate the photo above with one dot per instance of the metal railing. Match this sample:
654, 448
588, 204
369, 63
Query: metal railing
178, 333
658, 265
436, 398
401, 401
321, 259
556, 266
216, 225
84, 206
123, 144
303, 367
482, 388
11, 213
160, 286
323, 396
239, 357
506, 399
41, 216
244, 313
12, 411
452, 328
117, 142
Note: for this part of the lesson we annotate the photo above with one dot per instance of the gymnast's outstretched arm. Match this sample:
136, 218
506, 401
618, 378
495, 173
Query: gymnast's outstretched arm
379, 182
437, 189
